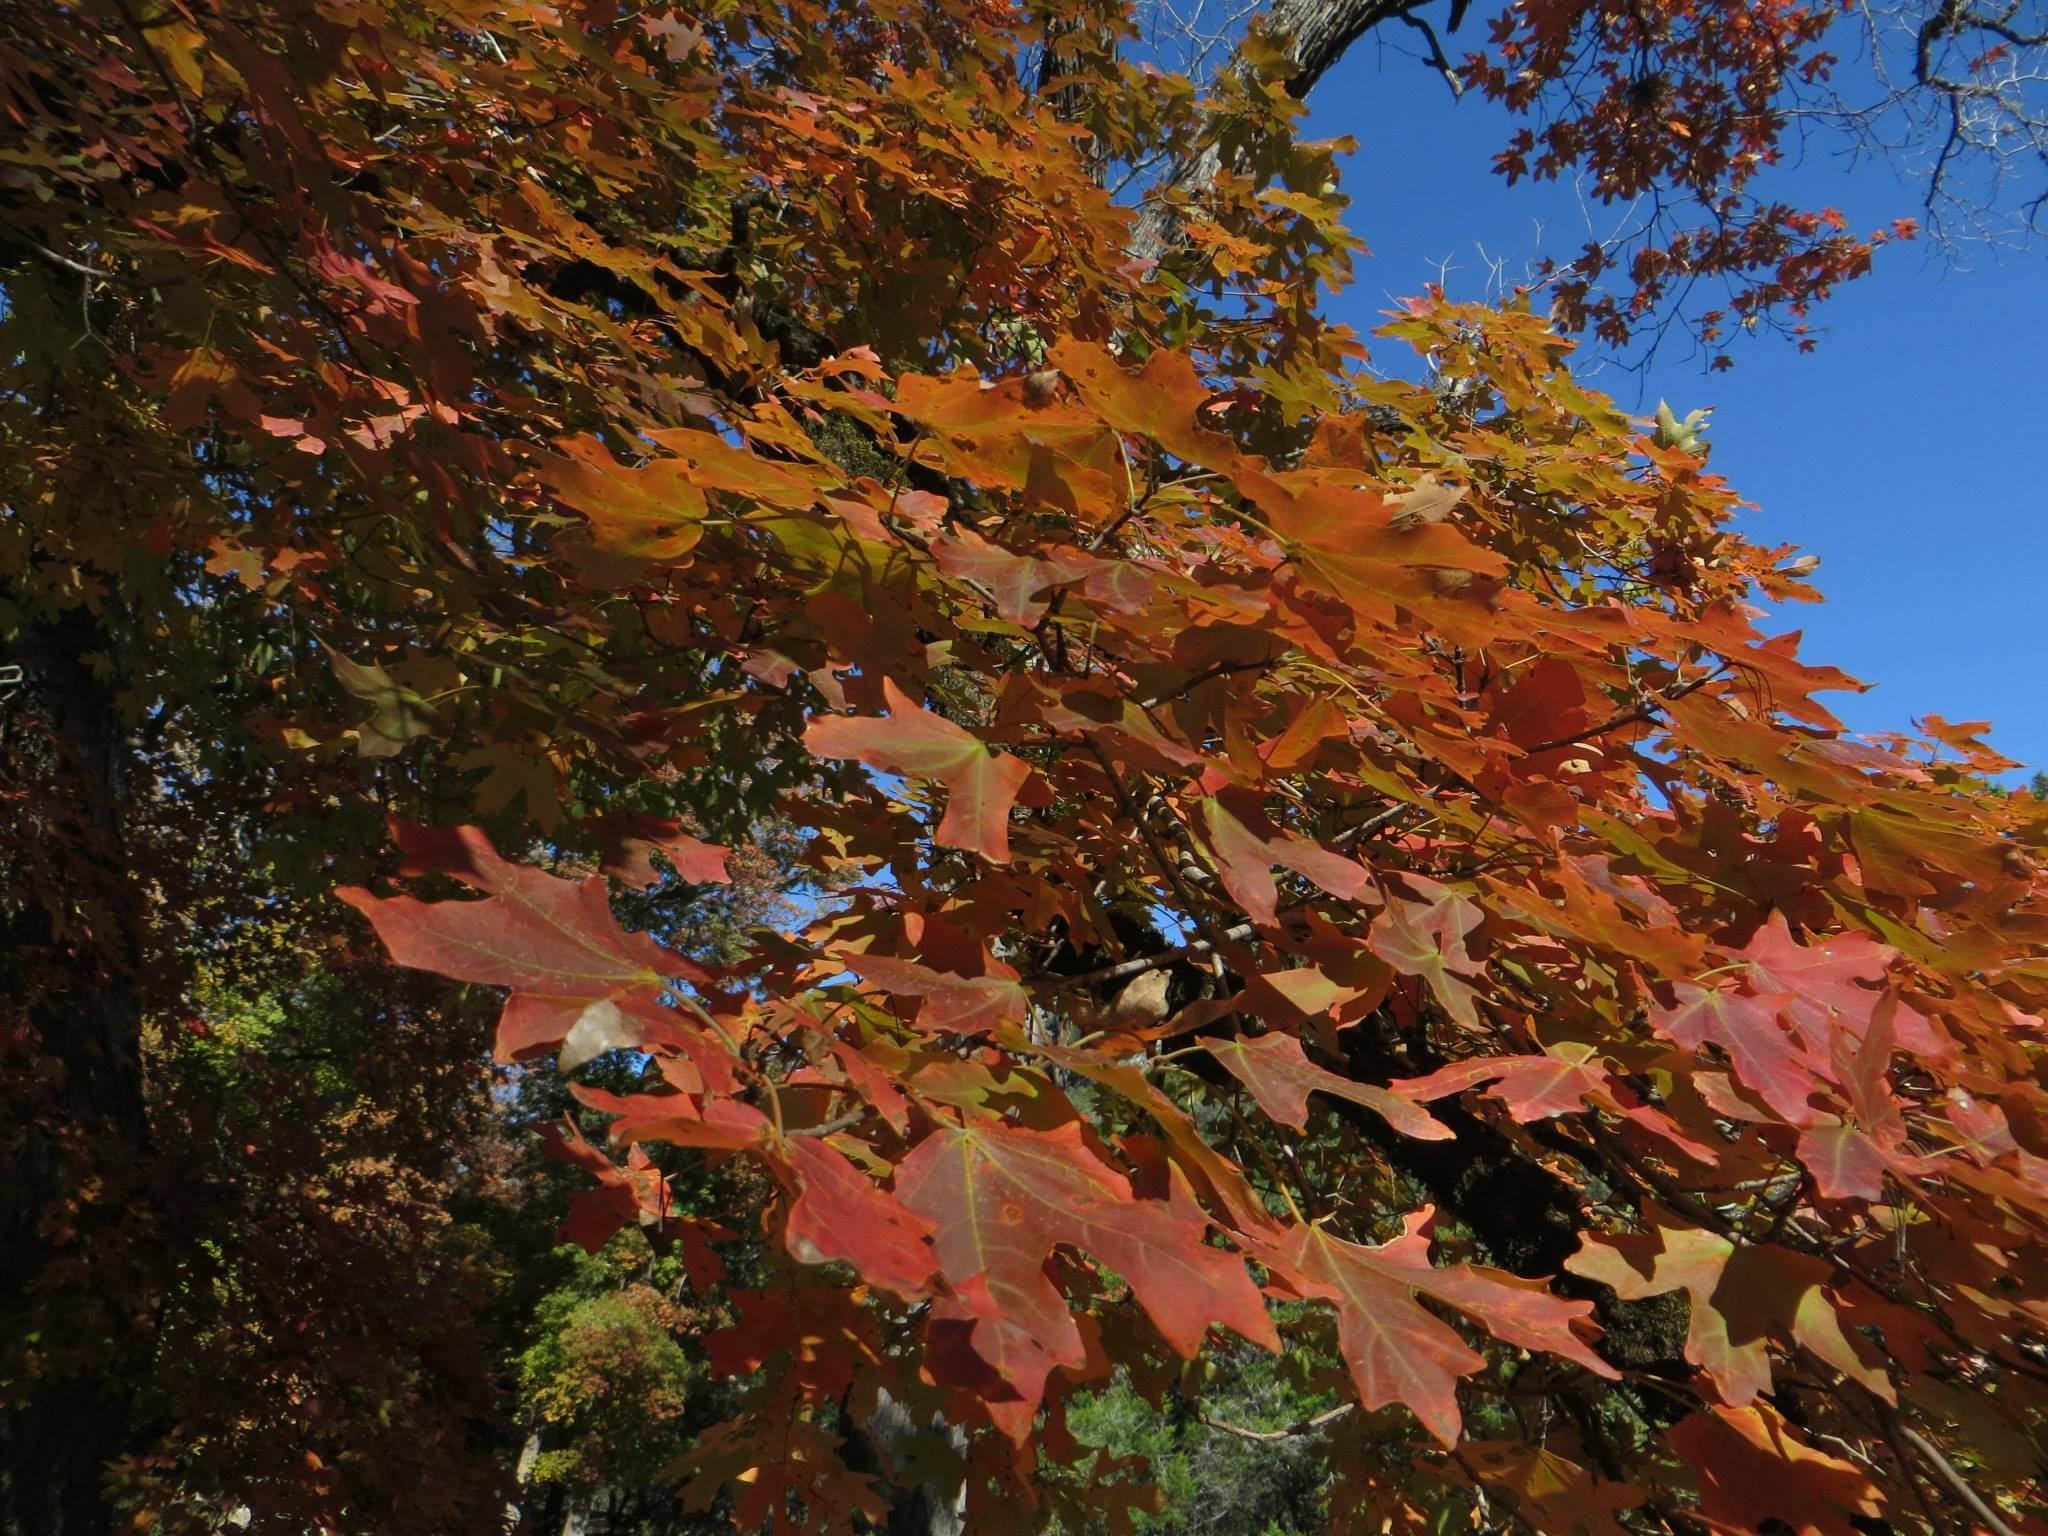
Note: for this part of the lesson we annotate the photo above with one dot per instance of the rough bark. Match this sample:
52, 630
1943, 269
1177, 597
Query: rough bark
1313, 35
880, 1446
1063, 69
921, 1510
522, 1475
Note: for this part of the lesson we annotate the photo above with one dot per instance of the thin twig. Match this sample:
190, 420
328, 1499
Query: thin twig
1889, 1424
1642, 714
1133, 504
1305, 1427
58, 258
1370, 825
1165, 865
1945, 1469
1124, 970
833, 1126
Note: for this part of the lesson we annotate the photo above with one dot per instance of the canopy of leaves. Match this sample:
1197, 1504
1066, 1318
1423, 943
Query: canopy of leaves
1553, 949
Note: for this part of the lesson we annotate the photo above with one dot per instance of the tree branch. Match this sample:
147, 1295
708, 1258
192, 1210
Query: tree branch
1313, 35
58, 258
1642, 714
1945, 1469
1437, 58
1305, 1427
1124, 970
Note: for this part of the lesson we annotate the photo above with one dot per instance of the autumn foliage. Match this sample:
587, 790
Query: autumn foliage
1312, 861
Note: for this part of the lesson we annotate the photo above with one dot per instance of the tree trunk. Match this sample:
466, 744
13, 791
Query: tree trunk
1070, 42
881, 1447
72, 1130
1313, 35
522, 1474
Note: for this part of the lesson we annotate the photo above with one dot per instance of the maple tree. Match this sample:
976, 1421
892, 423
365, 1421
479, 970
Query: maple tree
507, 425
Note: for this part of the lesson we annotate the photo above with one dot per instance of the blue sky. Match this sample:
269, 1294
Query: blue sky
1907, 452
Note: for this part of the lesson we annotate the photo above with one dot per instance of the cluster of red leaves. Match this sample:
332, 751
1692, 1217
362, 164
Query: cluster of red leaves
1438, 721
1618, 863
1656, 100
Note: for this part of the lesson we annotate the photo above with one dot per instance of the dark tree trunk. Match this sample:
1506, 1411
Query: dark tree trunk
72, 1128
1064, 72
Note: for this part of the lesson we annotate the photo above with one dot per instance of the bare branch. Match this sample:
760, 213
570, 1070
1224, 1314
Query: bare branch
1292, 1431
1945, 1469
58, 258
1438, 60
